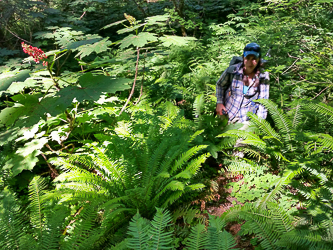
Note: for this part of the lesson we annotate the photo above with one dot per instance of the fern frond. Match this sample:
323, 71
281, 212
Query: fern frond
192, 167
323, 109
259, 222
159, 238
36, 191
251, 152
54, 224
172, 198
243, 166
240, 134
138, 229
264, 127
283, 123
278, 185
110, 169
12, 225
297, 239
297, 115
197, 239
198, 105
186, 156
83, 235
216, 238
326, 140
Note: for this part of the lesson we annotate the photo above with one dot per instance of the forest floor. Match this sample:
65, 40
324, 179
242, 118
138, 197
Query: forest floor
219, 200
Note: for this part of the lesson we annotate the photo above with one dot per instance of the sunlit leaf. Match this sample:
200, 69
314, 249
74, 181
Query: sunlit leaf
167, 41
138, 41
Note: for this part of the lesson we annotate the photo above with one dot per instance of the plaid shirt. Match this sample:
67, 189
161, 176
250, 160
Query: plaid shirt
235, 101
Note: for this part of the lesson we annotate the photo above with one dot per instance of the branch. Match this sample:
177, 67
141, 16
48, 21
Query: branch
133, 87
17, 36
54, 173
321, 92
291, 65
83, 15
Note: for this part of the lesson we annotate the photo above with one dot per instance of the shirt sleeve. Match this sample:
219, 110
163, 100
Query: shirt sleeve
263, 94
221, 87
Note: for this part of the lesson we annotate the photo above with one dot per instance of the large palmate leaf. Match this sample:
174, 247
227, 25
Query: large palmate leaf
159, 19
92, 87
97, 47
167, 41
8, 135
25, 158
28, 105
77, 44
31, 109
8, 78
138, 41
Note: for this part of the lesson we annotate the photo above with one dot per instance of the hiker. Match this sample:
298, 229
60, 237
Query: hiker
241, 84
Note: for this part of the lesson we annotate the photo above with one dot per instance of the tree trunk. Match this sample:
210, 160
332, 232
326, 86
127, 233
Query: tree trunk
179, 8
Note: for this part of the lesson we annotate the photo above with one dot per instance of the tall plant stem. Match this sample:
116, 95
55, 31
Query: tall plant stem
143, 78
133, 87
54, 173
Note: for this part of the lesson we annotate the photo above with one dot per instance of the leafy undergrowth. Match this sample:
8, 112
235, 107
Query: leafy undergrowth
111, 139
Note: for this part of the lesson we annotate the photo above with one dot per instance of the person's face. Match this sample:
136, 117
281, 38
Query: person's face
250, 62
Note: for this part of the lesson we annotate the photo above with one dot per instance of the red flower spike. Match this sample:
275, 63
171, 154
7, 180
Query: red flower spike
36, 53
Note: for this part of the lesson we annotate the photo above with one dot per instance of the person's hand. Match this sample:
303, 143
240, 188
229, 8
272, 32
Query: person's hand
220, 108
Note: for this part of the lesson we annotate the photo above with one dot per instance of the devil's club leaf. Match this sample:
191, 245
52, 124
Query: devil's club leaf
18, 163
7, 80
31, 106
31, 146
8, 135
30, 110
159, 19
86, 50
77, 44
138, 41
167, 41
92, 87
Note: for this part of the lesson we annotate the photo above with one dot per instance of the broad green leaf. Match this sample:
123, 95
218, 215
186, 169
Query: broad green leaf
31, 146
157, 19
16, 87
6, 79
98, 47
92, 87
44, 35
18, 163
25, 158
8, 135
31, 106
167, 41
77, 44
138, 41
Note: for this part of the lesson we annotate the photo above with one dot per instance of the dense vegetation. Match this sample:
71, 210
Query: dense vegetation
108, 136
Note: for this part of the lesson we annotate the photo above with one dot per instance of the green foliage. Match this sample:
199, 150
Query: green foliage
139, 169
44, 223
112, 163
155, 234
